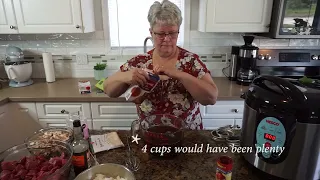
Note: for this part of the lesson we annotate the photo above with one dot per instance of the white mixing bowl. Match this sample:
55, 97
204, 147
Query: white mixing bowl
19, 72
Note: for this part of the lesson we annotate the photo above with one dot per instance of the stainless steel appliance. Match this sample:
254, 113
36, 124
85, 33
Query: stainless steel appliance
295, 19
234, 64
282, 113
247, 59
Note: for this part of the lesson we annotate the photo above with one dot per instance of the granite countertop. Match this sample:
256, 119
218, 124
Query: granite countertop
66, 90
184, 166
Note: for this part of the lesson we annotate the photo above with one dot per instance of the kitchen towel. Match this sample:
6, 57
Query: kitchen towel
48, 67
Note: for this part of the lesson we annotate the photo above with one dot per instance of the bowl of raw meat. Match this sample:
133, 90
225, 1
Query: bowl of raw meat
29, 162
107, 171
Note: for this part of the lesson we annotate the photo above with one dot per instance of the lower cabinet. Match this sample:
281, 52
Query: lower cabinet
120, 115
113, 115
50, 123
110, 124
210, 124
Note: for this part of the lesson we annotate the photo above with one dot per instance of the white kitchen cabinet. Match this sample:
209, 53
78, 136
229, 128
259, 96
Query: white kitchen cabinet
222, 113
7, 18
52, 110
50, 123
111, 110
113, 115
52, 16
210, 124
110, 124
234, 15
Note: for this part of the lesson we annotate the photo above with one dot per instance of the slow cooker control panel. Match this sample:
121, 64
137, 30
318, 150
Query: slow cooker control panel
270, 136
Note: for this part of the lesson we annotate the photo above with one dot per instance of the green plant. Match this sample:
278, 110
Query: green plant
100, 66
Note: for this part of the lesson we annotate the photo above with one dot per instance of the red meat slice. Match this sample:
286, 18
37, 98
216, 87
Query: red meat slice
17, 168
32, 164
22, 173
5, 175
23, 161
8, 165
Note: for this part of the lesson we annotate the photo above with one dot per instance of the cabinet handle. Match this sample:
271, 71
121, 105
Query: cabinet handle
235, 110
77, 26
12, 27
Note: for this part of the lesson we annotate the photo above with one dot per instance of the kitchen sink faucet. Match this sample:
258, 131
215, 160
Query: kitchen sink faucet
145, 44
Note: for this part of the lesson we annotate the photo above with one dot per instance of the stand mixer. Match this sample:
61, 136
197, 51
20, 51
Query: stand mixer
18, 70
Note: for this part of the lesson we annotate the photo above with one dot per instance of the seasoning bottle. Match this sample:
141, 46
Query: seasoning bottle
224, 168
81, 156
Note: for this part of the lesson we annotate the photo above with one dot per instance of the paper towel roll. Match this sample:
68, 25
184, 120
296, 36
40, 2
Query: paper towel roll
48, 67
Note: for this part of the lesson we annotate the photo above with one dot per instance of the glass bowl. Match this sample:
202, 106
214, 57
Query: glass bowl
24, 161
47, 135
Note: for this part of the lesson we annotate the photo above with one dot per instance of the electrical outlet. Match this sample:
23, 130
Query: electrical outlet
82, 59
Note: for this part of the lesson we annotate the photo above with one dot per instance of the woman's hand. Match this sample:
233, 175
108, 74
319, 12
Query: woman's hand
171, 72
137, 76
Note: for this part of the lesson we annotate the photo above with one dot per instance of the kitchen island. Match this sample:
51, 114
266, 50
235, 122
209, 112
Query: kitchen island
191, 166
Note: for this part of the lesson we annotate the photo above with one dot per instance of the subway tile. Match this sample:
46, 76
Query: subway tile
31, 51
89, 51
20, 37
198, 34
56, 51
37, 44
92, 43
274, 42
3, 37
215, 42
49, 36
303, 42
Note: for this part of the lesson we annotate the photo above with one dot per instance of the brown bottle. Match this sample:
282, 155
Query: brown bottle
81, 156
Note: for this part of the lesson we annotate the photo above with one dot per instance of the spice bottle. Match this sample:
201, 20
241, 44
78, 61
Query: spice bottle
81, 156
224, 168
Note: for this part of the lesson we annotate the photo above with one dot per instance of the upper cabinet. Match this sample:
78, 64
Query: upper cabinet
234, 15
7, 18
47, 16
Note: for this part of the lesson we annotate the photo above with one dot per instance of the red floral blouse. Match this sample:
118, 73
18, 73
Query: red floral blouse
170, 96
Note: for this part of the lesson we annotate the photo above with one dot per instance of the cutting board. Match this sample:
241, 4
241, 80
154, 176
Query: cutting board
15, 126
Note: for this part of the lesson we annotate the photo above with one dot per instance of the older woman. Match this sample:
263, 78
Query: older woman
187, 82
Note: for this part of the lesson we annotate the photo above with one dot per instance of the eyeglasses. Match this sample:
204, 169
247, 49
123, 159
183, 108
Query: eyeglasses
172, 35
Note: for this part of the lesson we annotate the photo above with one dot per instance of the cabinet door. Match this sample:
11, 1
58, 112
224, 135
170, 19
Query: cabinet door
223, 110
48, 16
7, 18
112, 124
53, 110
238, 122
235, 15
114, 110
210, 124
49, 123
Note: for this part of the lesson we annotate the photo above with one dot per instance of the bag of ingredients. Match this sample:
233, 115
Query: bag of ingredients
136, 91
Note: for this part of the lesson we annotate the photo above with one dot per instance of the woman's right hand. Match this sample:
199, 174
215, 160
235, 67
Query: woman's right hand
138, 76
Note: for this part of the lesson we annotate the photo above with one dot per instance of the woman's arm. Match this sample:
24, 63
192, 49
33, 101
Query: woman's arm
117, 84
202, 90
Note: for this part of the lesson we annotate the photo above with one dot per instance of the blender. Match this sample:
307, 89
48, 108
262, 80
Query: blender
18, 70
247, 56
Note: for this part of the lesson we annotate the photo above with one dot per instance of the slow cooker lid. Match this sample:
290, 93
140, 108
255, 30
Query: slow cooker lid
272, 90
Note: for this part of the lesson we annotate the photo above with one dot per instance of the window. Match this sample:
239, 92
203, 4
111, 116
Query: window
128, 23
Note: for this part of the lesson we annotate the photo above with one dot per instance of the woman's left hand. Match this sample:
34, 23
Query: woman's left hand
171, 72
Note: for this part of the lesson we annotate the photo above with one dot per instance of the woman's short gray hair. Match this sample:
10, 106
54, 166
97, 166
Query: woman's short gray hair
166, 12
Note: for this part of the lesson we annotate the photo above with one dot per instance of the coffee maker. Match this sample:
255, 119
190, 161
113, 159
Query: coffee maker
247, 62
